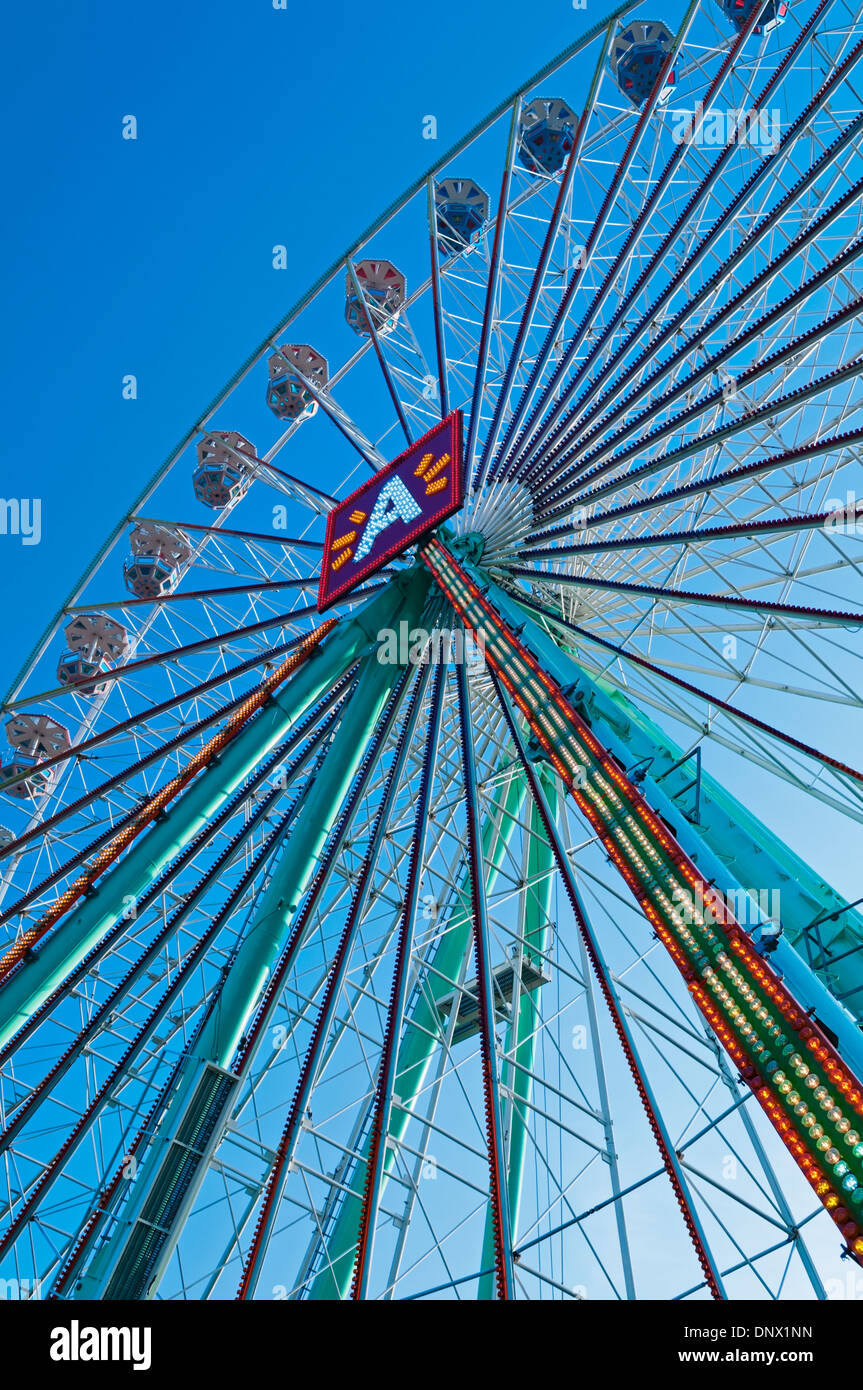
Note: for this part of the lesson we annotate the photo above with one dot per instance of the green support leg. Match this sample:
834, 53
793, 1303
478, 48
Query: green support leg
727, 844
420, 1039
817, 921
521, 1035
132, 1262
76, 934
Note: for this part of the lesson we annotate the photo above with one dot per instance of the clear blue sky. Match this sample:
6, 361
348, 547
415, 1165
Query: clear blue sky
255, 126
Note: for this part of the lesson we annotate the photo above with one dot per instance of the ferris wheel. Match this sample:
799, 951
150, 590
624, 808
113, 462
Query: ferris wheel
407, 821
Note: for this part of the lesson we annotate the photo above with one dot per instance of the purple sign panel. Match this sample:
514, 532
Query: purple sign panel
393, 509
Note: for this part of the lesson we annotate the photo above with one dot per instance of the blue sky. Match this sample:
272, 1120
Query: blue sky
154, 257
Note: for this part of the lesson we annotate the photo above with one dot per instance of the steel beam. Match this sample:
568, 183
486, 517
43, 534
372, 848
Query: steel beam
125, 1267
422, 1035
83, 928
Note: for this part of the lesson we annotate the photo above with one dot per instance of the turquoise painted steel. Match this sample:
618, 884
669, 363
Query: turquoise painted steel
83, 928
752, 855
523, 1030
758, 858
258, 952
627, 739
267, 931
420, 1040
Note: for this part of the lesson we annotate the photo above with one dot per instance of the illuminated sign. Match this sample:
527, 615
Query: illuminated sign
420, 488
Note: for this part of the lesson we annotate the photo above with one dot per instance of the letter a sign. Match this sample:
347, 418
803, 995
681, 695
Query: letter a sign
390, 512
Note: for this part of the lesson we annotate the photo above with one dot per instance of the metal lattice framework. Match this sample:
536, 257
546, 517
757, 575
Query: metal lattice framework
325, 976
